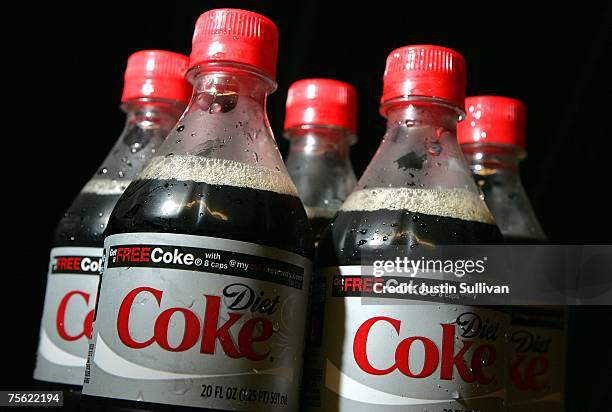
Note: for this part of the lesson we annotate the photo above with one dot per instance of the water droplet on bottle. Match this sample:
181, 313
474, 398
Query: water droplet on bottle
440, 131
180, 128
134, 147
433, 148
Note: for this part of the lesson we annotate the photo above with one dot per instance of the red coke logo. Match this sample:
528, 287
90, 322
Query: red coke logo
444, 358
530, 373
208, 332
72, 298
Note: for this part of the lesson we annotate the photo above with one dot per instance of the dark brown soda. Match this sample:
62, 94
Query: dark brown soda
523, 240
84, 222
238, 213
318, 225
386, 234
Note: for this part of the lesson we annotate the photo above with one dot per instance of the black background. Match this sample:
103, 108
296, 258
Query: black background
554, 57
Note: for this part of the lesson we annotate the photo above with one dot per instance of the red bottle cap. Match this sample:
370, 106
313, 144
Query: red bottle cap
238, 36
426, 71
156, 74
323, 102
493, 119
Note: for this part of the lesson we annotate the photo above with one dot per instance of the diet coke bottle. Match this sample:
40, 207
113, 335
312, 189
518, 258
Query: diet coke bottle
417, 193
492, 138
208, 252
155, 94
321, 125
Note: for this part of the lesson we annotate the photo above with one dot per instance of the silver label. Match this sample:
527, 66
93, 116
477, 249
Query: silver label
399, 355
198, 321
68, 313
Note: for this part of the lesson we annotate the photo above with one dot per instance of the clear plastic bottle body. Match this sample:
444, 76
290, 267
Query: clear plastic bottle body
223, 137
496, 171
320, 166
416, 190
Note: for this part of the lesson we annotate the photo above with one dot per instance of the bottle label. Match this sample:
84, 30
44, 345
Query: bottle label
68, 312
398, 354
536, 357
199, 321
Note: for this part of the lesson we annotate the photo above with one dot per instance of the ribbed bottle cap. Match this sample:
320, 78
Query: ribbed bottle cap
156, 74
425, 71
323, 102
234, 35
493, 119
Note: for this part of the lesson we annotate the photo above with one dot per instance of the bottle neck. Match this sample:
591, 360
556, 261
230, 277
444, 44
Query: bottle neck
151, 113
423, 114
310, 141
487, 159
219, 89
319, 164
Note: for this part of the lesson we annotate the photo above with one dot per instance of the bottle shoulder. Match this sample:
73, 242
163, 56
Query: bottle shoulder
508, 202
